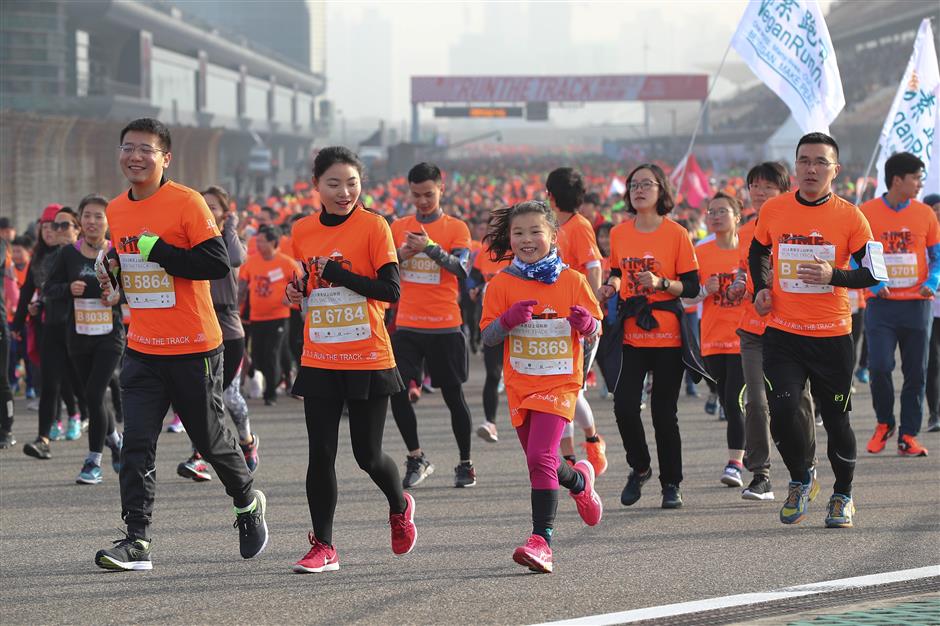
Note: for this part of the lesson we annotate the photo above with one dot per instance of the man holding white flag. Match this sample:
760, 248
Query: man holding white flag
787, 45
915, 114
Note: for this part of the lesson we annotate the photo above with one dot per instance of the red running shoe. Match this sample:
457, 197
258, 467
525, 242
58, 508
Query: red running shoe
321, 558
876, 444
909, 446
404, 533
590, 507
535, 554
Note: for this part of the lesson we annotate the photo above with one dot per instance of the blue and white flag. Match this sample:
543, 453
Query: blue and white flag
915, 113
786, 44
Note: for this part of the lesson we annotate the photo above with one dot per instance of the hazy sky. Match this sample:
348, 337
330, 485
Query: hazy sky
373, 48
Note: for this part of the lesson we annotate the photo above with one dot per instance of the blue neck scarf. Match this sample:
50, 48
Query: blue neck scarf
545, 270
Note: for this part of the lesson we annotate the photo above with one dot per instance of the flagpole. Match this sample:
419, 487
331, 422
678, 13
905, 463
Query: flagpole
701, 115
864, 185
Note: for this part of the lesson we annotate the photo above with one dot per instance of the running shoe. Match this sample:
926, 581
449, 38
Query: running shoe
691, 391
672, 497
817, 419
320, 558
794, 509
33, 405
487, 432
813, 484
535, 554
270, 402
501, 387
596, 452
417, 468
195, 467
6, 440
589, 504
251, 452
85, 424
909, 446
877, 442
414, 392
57, 431
861, 374
759, 489
933, 423
721, 413
175, 425
731, 476
74, 430
115, 453
90, 474
465, 475
632, 491
426, 385
841, 511
30, 393
38, 449
711, 404
404, 533
252, 528
591, 380
128, 554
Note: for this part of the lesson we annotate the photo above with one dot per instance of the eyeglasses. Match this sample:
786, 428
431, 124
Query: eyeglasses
716, 212
764, 188
62, 225
820, 163
644, 185
144, 149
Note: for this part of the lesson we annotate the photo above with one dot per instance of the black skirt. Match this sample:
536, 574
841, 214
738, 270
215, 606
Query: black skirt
315, 382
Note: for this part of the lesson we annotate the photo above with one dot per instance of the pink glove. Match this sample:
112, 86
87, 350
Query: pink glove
581, 320
518, 313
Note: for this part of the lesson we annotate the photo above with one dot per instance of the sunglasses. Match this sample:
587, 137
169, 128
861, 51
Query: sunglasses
62, 225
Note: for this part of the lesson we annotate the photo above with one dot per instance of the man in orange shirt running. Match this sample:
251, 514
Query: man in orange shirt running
809, 236
899, 313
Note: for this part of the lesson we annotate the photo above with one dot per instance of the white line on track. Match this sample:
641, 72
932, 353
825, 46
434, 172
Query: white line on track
744, 599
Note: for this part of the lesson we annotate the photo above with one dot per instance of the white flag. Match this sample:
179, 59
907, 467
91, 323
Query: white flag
787, 45
915, 113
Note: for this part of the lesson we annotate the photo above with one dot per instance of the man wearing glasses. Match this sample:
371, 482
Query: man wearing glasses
810, 235
899, 309
167, 249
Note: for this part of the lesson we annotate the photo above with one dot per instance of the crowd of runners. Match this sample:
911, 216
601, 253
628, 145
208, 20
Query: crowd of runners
163, 307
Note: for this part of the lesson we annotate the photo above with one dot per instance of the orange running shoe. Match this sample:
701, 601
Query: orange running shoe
909, 446
596, 454
883, 432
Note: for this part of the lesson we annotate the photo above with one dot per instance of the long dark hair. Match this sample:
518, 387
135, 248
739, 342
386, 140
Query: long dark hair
665, 200
497, 233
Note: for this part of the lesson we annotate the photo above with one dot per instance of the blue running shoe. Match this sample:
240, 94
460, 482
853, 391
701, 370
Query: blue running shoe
75, 429
711, 404
794, 509
116, 454
57, 431
861, 374
90, 474
841, 511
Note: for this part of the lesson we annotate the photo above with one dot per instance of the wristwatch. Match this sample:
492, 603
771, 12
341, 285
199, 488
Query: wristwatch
664, 285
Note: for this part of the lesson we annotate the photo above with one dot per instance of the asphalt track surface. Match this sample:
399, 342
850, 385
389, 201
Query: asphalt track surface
460, 571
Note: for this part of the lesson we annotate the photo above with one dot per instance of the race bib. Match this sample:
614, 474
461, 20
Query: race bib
902, 270
146, 284
789, 256
276, 274
337, 315
421, 269
92, 317
542, 348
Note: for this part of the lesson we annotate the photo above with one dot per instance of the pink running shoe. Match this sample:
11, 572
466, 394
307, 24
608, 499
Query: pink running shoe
175, 425
404, 533
535, 554
321, 558
590, 507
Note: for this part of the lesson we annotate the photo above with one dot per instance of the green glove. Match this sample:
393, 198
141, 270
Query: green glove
145, 244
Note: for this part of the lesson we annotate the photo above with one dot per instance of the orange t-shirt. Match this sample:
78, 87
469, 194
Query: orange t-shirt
20, 274
906, 235
429, 293
171, 315
832, 231
266, 283
667, 252
720, 314
487, 266
342, 329
542, 359
750, 321
577, 244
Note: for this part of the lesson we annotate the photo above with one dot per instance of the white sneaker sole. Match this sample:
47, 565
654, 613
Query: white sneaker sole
428, 472
106, 562
731, 481
757, 497
263, 503
484, 433
300, 569
411, 518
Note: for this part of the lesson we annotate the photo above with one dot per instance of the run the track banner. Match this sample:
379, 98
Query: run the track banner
912, 122
787, 45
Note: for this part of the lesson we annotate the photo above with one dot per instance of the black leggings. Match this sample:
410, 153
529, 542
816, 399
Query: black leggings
95, 370
933, 369
460, 420
266, 340
234, 352
726, 368
59, 379
493, 360
6, 394
667, 368
366, 427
